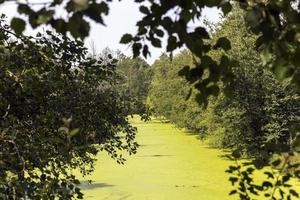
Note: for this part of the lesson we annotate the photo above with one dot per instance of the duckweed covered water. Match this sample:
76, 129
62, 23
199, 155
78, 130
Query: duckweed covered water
170, 164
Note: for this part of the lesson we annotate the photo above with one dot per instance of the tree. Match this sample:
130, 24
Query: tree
259, 101
58, 108
136, 76
168, 92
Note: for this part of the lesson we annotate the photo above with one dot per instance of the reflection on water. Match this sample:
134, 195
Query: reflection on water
88, 185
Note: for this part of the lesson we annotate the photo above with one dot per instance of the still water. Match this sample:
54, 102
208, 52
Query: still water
170, 165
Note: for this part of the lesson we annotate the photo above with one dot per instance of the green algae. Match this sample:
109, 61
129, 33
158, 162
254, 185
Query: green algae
170, 164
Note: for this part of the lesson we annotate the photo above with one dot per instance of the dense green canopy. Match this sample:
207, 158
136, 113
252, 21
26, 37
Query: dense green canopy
58, 108
276, 23
255, 119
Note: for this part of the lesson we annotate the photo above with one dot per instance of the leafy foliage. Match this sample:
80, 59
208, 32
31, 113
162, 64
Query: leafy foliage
254, 119
134, 84
168, 92
75, 21
277, 184
275, 22
58, 108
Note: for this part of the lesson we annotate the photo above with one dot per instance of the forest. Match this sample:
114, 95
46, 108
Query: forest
234, 84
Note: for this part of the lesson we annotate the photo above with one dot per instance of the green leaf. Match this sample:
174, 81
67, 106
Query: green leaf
136, 47
195, 73
142, 31
60, 25
200, 31
223, 43
172, 43
294, 193
267, 184
2, 36
226, 8
126, 38
18, 25
233, 180
236, 153
146, 51
76, 181
159, 32
267, 195
144, 10
252, 18
79, 27
286, 178
206, 61
74, 132
95, 11
232, 192
156, 42
45, 16
269, 174
24, 9
184, 71
213, 90
78, 5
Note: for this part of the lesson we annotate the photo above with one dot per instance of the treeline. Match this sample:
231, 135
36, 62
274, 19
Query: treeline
133, 78
254, 116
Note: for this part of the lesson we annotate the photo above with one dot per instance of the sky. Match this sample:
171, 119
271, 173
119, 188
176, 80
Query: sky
121, 19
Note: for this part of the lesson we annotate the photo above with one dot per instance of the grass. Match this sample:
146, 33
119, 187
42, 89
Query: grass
170, 165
